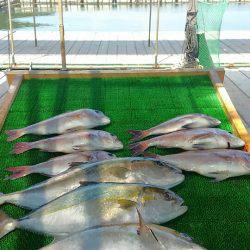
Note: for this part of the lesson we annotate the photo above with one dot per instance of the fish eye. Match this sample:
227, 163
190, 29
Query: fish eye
97, 111
110, 154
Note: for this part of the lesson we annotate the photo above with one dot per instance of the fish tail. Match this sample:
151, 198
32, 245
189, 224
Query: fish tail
7, 224
21, 147
14, 134
137, 134
18, 172
138, 147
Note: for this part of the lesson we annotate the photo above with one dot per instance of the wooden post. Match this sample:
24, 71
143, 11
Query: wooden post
12, 48
34, 21
149, 24
157, 34
61, 30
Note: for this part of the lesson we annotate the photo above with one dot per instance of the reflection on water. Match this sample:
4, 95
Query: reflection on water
117, 18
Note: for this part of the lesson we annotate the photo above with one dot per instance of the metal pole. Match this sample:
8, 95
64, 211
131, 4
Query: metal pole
34, 21
11, 35
149, 25
61, 30
157, 33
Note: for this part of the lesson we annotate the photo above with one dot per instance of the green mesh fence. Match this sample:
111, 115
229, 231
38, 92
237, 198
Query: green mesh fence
209, 21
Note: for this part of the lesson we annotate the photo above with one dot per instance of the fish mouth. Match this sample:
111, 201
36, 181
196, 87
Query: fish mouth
105, 120
217, 122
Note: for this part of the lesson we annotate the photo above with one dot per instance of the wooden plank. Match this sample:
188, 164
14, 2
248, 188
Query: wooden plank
233, 116
9, 98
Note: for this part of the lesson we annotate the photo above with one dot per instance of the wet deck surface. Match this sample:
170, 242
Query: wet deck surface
115, 48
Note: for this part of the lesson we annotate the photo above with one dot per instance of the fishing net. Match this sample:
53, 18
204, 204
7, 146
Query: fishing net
209, 19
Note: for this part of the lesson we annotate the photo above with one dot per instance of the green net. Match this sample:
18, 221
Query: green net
209, 21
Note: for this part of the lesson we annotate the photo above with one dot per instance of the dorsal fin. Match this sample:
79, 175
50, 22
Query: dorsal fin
86, 183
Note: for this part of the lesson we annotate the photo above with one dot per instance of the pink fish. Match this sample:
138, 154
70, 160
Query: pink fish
59, 164
189, 121
88, 140
67, 122
191, 139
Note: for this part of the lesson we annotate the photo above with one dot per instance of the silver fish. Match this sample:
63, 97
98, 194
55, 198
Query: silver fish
98, 204
73, 142
79, 119
193, 139
59, 164
219, 164
189, 121
125, 170
124, 237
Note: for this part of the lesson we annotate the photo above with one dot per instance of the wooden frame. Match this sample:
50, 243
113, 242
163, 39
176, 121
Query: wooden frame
15, 78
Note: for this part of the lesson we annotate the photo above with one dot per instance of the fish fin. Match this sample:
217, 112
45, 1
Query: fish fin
14, 134
219, 176
200, 145
18, 172
138, 147
126, 204
137, 135
187, 237
21, 147
6, 224
86, 183
78, 147
143, 228
191, 125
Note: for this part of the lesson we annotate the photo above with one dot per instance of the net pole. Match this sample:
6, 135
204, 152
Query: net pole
61, 30
12, 47
157, 34
149, 24
34, 22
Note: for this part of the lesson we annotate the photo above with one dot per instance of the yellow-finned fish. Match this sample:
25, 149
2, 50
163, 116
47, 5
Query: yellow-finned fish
98, 204
122, 170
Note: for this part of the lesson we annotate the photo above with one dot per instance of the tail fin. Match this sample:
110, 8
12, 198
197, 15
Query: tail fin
6, 224
21, 147
137, 135
18, 172
138, 148
14, 134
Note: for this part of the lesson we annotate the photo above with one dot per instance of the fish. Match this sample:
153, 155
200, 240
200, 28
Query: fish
192, 139
189, 121
139, 236
59, 164
86, 140
60, 124
98, 204
219, 164
123, 170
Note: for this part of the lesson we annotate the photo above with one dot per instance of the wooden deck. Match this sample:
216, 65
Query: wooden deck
123, 48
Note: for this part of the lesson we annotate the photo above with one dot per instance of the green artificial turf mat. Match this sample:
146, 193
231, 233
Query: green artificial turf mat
218, 212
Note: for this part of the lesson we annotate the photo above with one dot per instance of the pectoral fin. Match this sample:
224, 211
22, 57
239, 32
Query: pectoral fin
191, 125
201, 145
219, 176
126, 204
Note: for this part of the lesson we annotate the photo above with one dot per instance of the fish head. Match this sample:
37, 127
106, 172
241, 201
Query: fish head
111, 141
162, 204
210, 121
234, 141
99, 117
